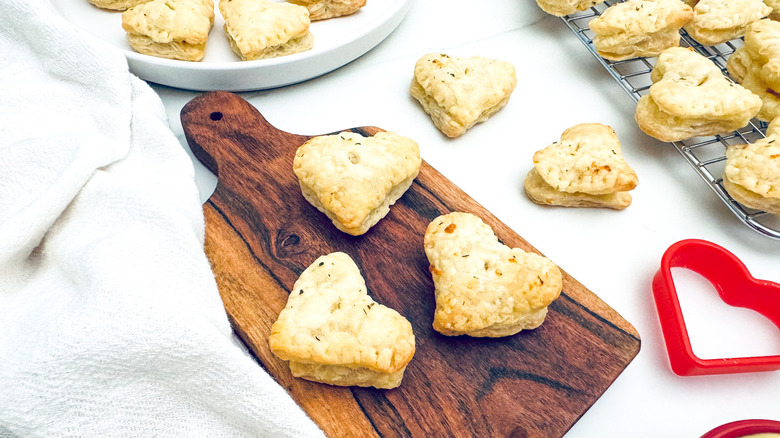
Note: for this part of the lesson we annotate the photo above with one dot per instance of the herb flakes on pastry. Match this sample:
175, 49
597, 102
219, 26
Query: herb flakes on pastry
752, 172
332, 332
756, 66
718, 21
459, 92
260, 29
639, 28
483, 288
354, 179
691, 97
586, 168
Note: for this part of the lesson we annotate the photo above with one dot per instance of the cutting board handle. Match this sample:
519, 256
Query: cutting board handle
239, 130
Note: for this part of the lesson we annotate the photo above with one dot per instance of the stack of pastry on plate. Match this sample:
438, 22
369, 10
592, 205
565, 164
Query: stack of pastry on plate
256, 29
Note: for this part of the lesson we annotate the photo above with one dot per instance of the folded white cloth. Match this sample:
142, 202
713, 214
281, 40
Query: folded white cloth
110, 319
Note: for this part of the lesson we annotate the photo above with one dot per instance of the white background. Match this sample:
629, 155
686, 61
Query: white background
614, 254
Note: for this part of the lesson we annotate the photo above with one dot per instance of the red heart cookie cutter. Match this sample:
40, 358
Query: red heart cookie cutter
735, 286
744, 428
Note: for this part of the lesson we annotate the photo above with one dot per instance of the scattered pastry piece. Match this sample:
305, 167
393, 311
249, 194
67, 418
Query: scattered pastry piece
484, 288
324, 9
332, 332
260, 29
756, 66
460, 92
691, 97
566, 7
585, 168
354, 179
752, 173
117, 5
639, 28
175, 29
718, 21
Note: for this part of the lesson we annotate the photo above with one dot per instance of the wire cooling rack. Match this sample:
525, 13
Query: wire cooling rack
705, 154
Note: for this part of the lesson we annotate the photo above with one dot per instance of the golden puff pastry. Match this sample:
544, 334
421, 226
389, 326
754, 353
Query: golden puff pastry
355, 180
566, 7
585, 168
537, 190
691, 97
324, 9
117, 5
752, 172
332, 332
483, 288
458, 92
260, 29
639, 28
717, 21
175, 29
756, 66
775, 5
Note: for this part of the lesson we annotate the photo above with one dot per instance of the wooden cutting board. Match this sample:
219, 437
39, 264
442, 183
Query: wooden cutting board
261, 234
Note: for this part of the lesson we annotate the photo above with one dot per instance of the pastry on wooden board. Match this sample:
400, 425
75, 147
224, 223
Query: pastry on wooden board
639, 28
175, 29
586, 168
354, 179
718, 21
691, 97
260, 29
458, 92
483, 288
324, 9
332, 332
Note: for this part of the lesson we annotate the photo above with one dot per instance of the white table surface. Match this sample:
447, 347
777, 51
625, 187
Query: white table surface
613, 253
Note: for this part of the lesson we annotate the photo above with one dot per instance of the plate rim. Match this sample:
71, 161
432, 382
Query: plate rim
151, 68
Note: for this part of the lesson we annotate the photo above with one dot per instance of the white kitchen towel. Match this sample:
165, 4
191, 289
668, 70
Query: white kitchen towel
110, 319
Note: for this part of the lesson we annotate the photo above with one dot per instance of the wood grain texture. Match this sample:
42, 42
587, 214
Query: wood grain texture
261, 234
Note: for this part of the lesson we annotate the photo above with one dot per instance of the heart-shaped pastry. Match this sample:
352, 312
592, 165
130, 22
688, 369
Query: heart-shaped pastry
718, 21
332, 332
582, 169
484, 288
639, 28
735, 286
175, 29
756, 66
588, 158
261, 29
459, 92
691, 97
354, 179
752, 172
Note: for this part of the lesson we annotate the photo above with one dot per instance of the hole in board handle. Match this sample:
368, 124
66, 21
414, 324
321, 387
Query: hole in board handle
216, 115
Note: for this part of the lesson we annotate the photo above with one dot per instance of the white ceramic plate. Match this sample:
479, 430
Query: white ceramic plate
336, 42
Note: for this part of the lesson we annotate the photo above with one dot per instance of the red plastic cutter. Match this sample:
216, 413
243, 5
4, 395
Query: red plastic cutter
735, 286
743, 428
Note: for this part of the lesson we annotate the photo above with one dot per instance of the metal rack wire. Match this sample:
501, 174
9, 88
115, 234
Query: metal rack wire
705, 154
